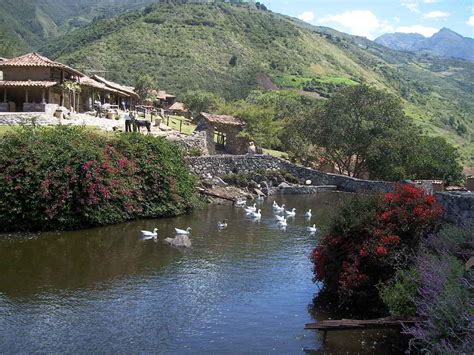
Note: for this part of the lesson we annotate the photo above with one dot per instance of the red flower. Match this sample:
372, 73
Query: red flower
363, 252
381, 250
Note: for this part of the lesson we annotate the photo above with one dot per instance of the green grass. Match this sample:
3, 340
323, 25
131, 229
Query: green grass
4, 129
276, 153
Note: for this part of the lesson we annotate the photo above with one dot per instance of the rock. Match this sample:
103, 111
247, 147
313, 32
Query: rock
180, 241
259, 192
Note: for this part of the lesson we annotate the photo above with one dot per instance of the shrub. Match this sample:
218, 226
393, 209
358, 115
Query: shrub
370, 239
400, 293
445, 305
69, 177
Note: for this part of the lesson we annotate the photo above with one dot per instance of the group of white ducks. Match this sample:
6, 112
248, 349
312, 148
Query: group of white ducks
251, 211
147, 235
282, 220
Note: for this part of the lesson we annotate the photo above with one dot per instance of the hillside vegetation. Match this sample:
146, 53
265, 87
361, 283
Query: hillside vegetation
230, 50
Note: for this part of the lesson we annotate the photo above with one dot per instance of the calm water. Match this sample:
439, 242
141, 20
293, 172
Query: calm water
243, 290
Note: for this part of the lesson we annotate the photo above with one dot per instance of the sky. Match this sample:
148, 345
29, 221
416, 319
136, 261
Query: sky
371, 18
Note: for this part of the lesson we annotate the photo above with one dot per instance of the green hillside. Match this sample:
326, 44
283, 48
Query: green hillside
26, 24
231, 50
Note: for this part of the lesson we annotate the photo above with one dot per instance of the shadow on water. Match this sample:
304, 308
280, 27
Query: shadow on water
242, 290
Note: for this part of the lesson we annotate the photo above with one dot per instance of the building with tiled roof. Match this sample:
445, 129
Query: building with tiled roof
34, 83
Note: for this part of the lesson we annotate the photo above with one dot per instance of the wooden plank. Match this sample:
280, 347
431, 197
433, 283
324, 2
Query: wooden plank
350, 324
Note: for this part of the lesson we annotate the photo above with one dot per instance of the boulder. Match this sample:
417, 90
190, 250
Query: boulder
180, 241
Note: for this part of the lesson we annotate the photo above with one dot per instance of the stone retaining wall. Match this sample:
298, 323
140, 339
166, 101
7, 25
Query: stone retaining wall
219, 165
459, 207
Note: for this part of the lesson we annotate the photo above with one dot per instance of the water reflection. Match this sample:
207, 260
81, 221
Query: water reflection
244, 289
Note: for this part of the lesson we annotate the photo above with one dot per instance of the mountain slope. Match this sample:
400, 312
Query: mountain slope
445, 43
27, 24
190, 46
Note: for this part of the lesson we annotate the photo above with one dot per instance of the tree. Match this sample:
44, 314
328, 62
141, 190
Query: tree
354, 124
260, 126
143, 85
198, 101
435, 158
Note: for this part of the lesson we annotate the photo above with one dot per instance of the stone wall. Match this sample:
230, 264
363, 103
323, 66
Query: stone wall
195, 143
458, 207
220, 165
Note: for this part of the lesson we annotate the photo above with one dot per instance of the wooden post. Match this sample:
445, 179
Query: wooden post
26, 96
180, 125
168, 121
5, 95
43, 101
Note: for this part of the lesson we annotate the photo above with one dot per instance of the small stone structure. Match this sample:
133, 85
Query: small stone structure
227, 129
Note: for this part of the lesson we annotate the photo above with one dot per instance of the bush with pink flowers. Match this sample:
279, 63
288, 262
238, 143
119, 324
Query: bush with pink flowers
70, 177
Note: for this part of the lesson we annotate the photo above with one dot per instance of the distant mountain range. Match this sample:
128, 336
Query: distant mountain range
445, 43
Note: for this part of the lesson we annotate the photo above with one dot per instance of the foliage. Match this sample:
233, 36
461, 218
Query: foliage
198, 101
260, 125
370, 239
67, 178
362, 130
143, 85
400, 293
445, 303
353, 123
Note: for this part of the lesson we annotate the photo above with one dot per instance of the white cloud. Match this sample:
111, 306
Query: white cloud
436, 14
411, 5
359, 22
430, 1
470, 22
307, 16
423, 30
396, 19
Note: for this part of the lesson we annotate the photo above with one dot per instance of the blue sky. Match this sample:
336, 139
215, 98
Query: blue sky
371, 18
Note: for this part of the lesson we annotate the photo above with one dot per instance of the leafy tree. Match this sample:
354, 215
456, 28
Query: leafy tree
233, 61
260, 125
435, 158
353, 123
198, 101
143, 85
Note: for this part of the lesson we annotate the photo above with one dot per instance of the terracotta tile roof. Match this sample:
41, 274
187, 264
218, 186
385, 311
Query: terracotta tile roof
122, 88
27, 83
87, 81
36, 60
178, 106
223, 119
2, 59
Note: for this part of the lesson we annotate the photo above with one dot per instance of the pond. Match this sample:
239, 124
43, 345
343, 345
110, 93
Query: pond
247, 289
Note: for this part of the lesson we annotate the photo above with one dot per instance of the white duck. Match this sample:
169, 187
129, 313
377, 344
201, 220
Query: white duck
308, 214
283, 223
291, 213
150, 235
313, 229
278, 208
240, 203
251, 209
260, 198
257, 214
182, 231
280, 218
222, 225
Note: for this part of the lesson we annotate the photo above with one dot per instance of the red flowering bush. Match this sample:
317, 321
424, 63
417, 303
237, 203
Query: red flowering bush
66, 177
370, 238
